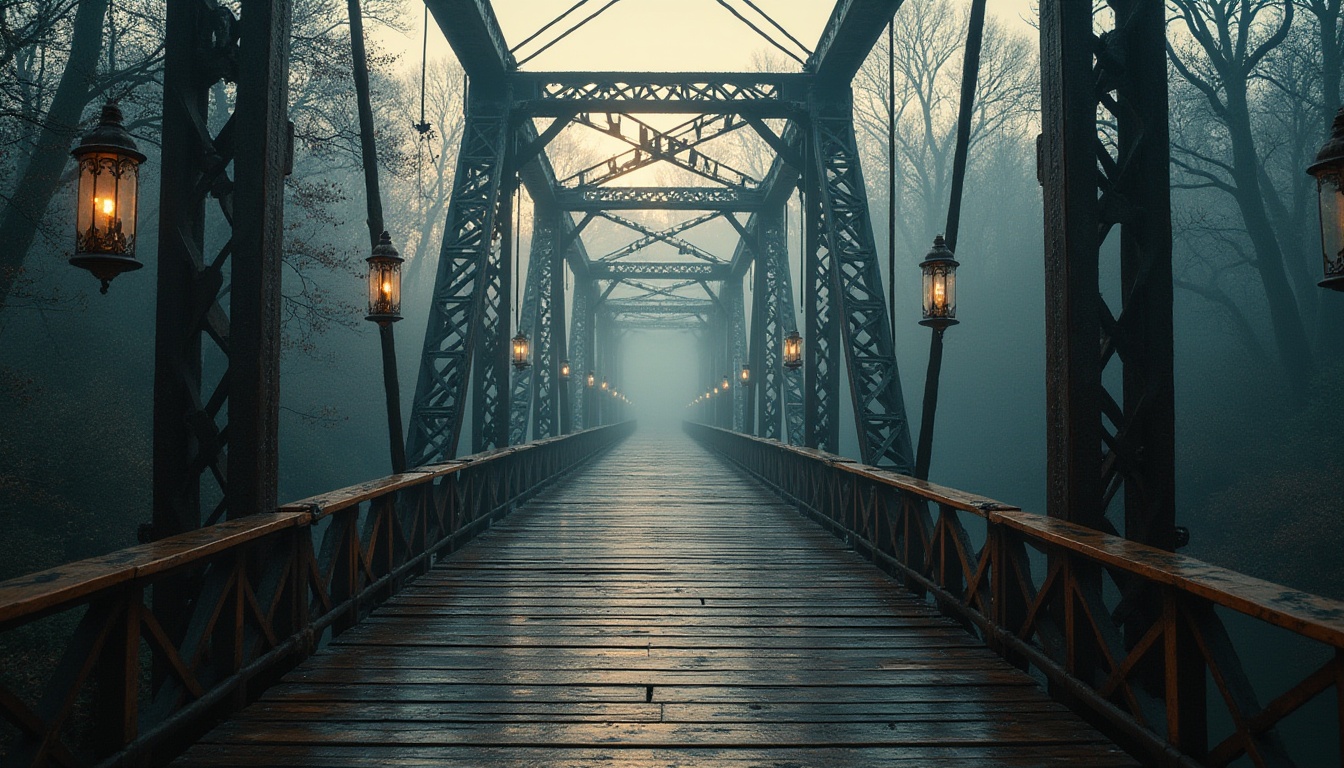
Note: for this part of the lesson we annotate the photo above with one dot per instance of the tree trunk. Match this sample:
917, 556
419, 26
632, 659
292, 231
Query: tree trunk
1289, 331
41, 178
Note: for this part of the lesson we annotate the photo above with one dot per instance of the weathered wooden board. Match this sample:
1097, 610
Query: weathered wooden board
656, 609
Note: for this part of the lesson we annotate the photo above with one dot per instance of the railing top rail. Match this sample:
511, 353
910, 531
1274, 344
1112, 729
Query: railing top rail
1313, 616
25, 598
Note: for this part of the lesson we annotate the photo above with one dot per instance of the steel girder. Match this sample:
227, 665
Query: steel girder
821, 334
457, 312
851, 258
677, 146
198, 414
779, 390
735, 311
1099, 173
669, 236
658, 271
530, 323
592, 199
581, 359
669, 307
759, 94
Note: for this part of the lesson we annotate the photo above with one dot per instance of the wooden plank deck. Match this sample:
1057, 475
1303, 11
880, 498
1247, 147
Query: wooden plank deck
657, 608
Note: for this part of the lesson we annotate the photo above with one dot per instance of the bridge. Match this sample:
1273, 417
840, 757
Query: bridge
573, 588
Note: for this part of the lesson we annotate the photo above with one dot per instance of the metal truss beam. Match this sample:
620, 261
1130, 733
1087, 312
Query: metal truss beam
553, 94
669, 236
593, 199
1100, 443
197, 414
874, 380
472, 30
581, 359
633, 270
821, 353
669, 307
678, 146
735, 311
490, 383
530, 322
456, 314
847, 39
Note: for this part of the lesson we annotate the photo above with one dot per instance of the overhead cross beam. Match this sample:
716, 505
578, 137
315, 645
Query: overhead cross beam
678, 146
590, 199
669, 236
628, 270
759, 94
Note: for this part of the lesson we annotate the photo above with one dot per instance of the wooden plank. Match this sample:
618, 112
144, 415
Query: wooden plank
657, 608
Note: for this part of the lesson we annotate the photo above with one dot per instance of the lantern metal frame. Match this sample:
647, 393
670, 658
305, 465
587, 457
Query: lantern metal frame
1328, 170
384, 282
746, 374
564, 370
939, 263
107, 151
521, 351
793, 351
591, 379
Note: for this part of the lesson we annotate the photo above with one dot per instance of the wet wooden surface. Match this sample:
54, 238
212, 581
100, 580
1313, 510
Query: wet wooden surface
657, 608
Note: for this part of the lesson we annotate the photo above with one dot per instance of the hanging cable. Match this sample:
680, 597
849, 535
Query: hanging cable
423, 127
778, 26
760, 31
569, 31
548, 25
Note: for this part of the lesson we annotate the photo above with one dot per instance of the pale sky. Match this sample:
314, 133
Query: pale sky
654, 35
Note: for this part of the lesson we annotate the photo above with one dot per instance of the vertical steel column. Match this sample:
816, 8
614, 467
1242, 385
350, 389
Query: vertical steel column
528, 383
758, 339
455, 315
1097, 173
734, 307
821, 337
581, 359
490, 388
553, 404
858, 304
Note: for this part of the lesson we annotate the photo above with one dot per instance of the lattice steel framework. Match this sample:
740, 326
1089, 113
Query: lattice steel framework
531, 323
661, 198
649, 145
850, 257
734, 310
198, 416
1100, 172
581, 359
457, 312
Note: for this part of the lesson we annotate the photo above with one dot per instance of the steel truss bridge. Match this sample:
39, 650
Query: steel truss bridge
659, 601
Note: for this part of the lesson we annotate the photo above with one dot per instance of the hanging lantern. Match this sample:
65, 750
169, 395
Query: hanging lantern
564, 370
940, 286
746, 374
1329, 172
591, 379
727, 380
793, 351
604, 383
522, 351
384, 282
107, 198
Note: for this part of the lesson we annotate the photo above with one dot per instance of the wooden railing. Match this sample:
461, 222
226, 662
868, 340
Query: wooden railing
1133, 637
131, 685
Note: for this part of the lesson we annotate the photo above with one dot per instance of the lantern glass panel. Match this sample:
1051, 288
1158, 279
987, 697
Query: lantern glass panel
521, 351
940, 291
105, 221
1331, 198
384, 288
793, 350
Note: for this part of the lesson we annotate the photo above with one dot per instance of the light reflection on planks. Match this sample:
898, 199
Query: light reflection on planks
655, 609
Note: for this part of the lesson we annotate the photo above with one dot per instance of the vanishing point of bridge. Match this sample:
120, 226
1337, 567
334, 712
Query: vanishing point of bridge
575, 592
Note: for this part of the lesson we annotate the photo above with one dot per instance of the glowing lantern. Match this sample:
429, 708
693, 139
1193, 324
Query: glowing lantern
940, 286
107, 199
727, 380
384, 282
522, 351
793, 351
564, 370
591, 379
1329, 172
746, 374
604, 383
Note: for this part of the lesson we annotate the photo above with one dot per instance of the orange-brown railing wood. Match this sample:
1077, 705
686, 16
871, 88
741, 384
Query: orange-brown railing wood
131, 687
1129, 634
